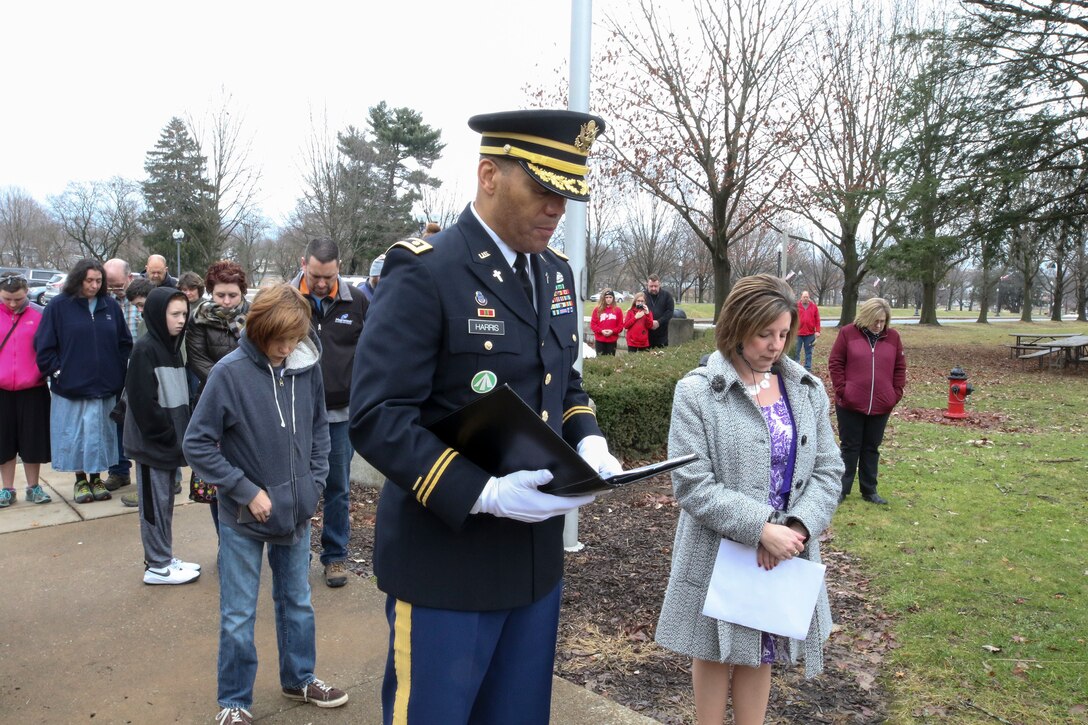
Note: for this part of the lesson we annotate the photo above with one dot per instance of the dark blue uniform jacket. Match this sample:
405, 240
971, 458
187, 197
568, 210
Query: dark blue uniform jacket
448, 321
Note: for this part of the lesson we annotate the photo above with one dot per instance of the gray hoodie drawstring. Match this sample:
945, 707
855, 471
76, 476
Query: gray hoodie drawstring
294, 427
276, 397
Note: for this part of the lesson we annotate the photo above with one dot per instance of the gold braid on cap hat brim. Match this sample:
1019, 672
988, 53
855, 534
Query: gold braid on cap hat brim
565, 183
549, 161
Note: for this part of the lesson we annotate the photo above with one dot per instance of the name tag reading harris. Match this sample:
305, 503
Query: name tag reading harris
486, 327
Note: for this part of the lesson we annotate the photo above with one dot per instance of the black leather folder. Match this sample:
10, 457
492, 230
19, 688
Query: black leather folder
501, 434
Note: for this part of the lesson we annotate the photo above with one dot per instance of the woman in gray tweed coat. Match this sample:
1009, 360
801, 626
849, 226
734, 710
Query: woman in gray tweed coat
767, 477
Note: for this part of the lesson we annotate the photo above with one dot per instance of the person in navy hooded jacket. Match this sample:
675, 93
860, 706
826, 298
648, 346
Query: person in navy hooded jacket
83, 345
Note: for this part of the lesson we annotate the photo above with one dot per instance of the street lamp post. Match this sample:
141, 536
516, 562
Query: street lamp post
179, 237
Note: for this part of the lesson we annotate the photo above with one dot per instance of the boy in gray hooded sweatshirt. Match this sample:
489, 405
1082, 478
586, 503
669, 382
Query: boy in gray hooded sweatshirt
260, 431
155, 419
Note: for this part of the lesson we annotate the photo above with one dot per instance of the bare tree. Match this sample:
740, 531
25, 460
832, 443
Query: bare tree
328, 204
281, 253
603, 259
232, 175
1080, 276
441, 204
819, 270
24, 225
698, 115
648, 238
248, 245
957, 281
100, 216
695, 270
1027, 251
843, 167
755, 253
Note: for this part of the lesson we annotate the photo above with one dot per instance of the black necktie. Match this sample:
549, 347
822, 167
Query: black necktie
521, 269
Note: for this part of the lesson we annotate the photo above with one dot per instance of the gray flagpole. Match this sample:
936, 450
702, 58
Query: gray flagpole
581, 23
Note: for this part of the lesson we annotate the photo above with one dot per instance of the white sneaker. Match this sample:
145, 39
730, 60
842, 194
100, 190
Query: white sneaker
169, 575
177, 563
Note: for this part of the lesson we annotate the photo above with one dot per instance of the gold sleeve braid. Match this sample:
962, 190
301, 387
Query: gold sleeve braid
577, 410
424, 486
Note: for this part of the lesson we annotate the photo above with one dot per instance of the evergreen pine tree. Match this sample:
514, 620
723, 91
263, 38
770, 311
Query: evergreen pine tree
179, 196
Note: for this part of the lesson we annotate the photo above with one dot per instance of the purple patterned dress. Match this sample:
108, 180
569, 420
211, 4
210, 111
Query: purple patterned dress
783, 454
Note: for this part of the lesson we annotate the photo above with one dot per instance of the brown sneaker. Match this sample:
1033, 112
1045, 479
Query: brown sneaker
115, 481
234, 716
336, 574
318, 693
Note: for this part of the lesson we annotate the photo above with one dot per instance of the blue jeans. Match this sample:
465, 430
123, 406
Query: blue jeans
239, 583
806, 341
123, 465
337, 523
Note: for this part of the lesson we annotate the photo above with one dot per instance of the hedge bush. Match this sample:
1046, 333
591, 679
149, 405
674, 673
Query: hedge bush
633, 395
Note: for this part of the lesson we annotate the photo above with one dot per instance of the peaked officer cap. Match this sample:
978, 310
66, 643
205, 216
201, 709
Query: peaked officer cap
552, 146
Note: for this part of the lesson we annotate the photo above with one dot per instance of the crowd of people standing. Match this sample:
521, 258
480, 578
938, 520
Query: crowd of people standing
268, 401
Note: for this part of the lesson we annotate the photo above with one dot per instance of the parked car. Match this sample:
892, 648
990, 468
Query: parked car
43, 275
354, 280
53, 289
38, 289
34, 277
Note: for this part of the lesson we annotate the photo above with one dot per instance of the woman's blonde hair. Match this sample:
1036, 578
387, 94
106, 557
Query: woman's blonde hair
870, 311
600, 299
753, 304
278, 312
635, 298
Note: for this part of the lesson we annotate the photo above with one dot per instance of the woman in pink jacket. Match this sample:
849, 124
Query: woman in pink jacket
606, 323
639, 322
24, 397
869, 371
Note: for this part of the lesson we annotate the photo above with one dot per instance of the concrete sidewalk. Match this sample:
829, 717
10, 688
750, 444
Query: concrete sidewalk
84, 639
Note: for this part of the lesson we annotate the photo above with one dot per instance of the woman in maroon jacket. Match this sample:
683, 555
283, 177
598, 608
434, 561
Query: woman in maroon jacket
869, 372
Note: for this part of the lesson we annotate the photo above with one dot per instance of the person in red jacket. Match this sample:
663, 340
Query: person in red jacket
808, 328
868, 371
606, 323
638, 323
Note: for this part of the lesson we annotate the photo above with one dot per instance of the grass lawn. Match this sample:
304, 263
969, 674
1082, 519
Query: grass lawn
981, 556
706, 311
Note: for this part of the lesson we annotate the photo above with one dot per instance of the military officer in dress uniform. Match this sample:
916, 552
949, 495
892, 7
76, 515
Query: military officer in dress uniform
472, 564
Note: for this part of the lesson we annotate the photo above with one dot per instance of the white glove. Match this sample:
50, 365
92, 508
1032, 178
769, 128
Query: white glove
515, 496
594, 451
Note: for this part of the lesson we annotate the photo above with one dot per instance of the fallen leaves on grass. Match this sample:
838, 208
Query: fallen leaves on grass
612, 597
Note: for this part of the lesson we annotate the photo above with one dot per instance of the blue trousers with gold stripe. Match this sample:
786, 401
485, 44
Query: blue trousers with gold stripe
449, 667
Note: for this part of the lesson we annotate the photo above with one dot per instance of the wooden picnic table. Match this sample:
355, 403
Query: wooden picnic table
1031, 344
1071, 350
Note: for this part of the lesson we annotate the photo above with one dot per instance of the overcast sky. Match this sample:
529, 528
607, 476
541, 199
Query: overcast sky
88, 86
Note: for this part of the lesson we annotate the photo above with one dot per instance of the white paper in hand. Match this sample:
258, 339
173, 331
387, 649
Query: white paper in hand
780, 601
